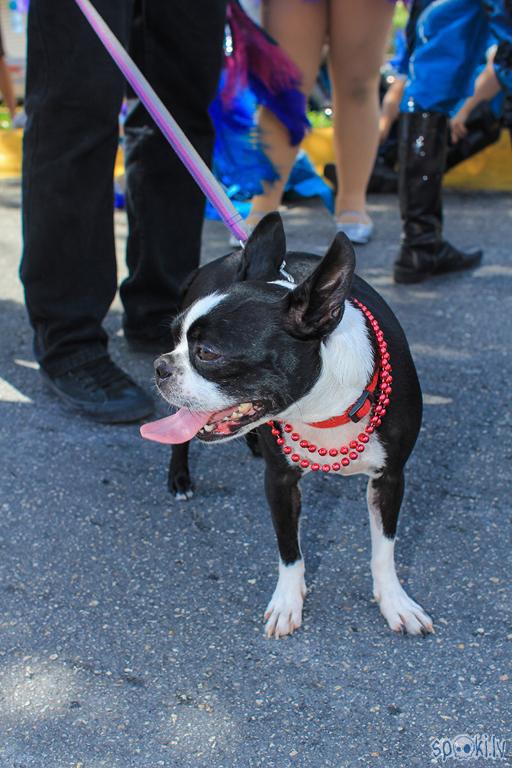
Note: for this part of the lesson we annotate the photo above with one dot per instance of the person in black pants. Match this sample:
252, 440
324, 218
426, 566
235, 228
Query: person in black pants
68, 269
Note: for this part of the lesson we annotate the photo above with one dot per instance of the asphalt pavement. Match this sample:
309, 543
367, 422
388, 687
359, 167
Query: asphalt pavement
131, 626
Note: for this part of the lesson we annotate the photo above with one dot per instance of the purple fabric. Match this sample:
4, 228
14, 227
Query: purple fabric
259, 63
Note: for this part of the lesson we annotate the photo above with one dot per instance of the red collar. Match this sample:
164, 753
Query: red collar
357, 410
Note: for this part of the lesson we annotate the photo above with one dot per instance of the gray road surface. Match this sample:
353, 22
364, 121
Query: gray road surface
130, 630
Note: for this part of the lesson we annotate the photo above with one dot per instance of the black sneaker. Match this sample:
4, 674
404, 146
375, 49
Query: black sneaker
417, 264
101, 391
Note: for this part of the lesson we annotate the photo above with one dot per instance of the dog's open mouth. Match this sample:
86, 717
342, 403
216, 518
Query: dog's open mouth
208, 426
230, 421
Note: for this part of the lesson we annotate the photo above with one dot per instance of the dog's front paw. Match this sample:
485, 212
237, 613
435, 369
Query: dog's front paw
284, 612
283, 615
184, 495
180, 486
402, 613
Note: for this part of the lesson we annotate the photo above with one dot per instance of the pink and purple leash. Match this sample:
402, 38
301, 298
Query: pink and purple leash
169, 127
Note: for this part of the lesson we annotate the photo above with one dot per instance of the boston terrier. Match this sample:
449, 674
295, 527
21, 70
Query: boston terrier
308, 356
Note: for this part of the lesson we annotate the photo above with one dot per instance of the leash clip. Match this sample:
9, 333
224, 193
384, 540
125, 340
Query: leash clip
285, 274
361, 406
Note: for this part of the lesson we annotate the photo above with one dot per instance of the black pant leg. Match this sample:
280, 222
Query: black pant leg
74, 93
180, 52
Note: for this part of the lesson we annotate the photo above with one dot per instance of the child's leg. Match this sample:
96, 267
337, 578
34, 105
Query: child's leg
300, 29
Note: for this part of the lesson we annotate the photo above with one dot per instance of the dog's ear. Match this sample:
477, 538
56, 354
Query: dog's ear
264, 251
315, 307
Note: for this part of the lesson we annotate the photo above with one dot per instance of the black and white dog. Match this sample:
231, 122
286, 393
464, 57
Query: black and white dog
256, 343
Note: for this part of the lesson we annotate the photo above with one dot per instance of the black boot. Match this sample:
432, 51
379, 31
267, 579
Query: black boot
422, 153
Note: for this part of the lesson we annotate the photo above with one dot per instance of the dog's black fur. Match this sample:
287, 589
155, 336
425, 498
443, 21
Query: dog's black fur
399, 429
312, 311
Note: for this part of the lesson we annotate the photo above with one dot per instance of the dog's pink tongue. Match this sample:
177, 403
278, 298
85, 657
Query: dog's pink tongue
178, 428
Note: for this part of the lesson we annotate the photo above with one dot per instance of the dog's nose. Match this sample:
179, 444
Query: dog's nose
163, 367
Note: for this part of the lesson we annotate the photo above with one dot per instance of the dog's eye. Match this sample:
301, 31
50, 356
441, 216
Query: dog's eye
206, 354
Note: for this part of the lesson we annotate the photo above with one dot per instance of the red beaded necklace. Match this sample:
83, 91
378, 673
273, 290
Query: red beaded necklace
353, 450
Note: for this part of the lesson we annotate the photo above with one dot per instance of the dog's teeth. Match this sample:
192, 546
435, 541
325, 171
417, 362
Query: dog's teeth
245, 407
235, 415
209, 427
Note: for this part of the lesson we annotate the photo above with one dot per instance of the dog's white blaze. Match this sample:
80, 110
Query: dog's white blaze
200, 393
399, 610
198, 309
284, 612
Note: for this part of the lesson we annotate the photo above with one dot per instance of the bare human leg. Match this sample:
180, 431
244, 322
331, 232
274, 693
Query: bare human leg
359, 31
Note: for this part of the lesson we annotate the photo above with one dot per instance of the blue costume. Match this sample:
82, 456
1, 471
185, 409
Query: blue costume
450, 40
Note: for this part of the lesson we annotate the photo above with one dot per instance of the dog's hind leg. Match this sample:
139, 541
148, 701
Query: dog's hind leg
178, 479
384, 497
284, 611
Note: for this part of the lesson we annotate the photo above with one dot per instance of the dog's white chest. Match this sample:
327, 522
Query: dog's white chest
369, 462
